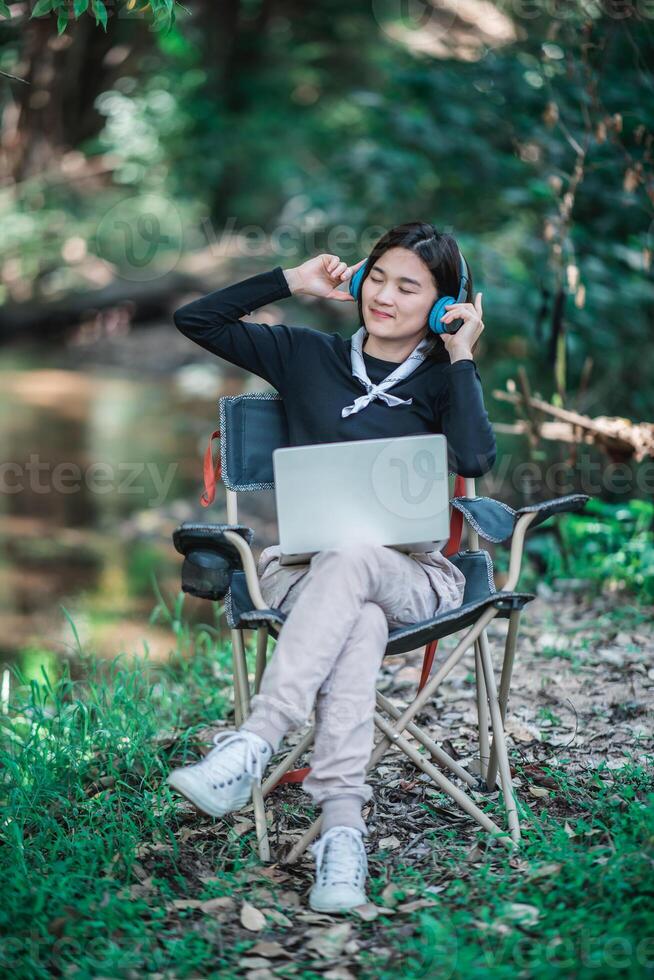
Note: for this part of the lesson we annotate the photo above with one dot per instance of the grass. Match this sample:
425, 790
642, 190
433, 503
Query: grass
105, 870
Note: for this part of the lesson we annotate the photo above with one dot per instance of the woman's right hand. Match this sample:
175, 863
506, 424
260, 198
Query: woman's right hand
321, 276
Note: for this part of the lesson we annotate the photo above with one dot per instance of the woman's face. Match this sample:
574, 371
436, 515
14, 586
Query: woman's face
400, 286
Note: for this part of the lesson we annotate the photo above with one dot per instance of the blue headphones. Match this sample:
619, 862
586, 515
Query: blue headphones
437, 310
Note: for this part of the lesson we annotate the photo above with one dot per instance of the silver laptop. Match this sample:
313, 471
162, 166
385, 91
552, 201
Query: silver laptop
392, 492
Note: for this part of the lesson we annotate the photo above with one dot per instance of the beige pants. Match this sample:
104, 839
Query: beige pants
340, 607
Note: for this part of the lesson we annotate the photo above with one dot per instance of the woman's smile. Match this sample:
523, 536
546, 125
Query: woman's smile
380, 314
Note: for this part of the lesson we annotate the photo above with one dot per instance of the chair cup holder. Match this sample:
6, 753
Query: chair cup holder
209, 560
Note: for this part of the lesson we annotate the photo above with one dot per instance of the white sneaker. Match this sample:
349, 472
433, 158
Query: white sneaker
223, 780
341, 870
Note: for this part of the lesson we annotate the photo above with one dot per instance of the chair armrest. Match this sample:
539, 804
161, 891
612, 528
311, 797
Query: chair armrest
571, 502
491, 519
495, 521
210, 558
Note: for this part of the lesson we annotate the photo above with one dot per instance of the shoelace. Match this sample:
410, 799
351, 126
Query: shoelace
230, 767
344, 846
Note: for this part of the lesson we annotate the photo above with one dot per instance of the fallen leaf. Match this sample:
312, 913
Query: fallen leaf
339, 973
391, 895
545, 870
269, 948
221, 904
521, 731
475, 854
252, 918
288, 898
254, 962
242, 828
370, 911
274, 873
419, 903
538, 791
330, 942
611, 655
518, 912
279, 917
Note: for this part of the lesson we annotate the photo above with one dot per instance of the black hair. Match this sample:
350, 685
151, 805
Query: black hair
440, 253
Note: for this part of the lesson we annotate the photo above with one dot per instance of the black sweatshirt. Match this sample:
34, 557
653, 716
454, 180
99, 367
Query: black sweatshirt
312, 372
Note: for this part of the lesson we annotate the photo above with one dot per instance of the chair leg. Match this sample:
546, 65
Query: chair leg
499, 739
436, 776
505, 685
443, 782
241, 685
282, 767
432, 747
241, 708
482, 713
262, 656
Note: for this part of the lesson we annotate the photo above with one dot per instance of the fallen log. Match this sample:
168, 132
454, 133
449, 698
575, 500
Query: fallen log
619, 437
39, 319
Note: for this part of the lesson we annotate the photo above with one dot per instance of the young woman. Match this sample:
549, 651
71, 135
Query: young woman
343, 603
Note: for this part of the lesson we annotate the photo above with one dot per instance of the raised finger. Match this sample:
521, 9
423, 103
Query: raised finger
455, 306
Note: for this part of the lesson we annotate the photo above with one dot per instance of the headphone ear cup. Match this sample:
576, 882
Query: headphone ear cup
355, 281
437, 311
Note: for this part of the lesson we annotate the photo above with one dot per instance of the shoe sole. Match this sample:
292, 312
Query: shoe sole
177, 779
335, 909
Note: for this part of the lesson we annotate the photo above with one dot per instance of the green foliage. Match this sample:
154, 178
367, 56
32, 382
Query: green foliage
576, 902
613, 544
608, 545
163, 12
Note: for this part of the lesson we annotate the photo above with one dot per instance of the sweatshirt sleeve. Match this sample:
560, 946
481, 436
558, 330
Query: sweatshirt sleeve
464, 421
213, 322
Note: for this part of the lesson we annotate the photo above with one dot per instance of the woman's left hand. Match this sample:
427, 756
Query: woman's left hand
459, 345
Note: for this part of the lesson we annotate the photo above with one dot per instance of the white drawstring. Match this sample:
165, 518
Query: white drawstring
255, 759
340, 858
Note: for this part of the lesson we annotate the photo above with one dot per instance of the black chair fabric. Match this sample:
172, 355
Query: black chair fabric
251, 427
495, 521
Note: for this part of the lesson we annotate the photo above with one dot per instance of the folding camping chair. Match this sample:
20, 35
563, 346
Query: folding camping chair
219, 564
